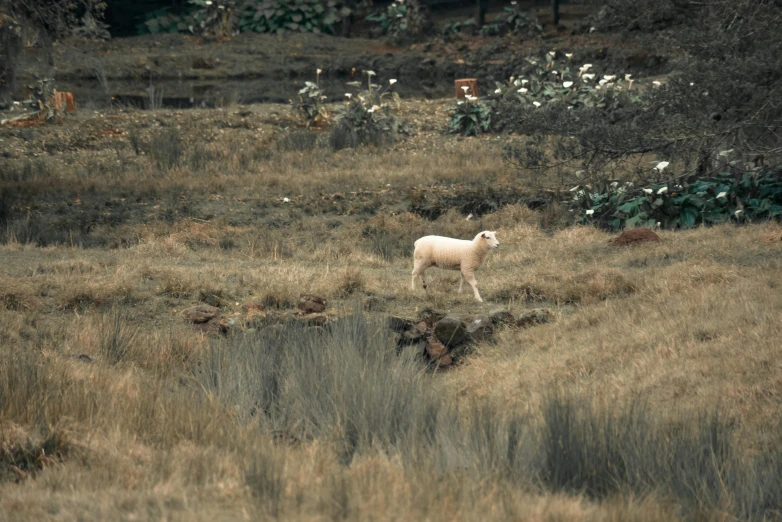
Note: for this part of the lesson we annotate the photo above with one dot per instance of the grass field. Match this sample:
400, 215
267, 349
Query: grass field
654, 395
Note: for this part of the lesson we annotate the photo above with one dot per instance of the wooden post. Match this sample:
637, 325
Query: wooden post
472, 85
555, 9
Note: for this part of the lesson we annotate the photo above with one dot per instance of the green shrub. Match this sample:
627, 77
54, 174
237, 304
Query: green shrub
224, 17
736, 196
367, 117
470, 117
393, 20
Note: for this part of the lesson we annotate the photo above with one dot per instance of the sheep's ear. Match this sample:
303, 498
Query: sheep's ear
483, 235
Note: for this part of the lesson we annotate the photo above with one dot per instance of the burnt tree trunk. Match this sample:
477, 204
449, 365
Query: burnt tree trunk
555, 10
480, 12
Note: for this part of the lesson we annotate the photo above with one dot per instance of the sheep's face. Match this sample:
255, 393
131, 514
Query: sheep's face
491, 239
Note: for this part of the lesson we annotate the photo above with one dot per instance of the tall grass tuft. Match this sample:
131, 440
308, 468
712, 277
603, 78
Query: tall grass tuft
116, 336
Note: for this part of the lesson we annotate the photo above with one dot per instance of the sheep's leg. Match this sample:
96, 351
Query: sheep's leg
461, 282
470, 278
418, 272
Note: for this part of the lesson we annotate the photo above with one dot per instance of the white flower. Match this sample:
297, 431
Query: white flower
370, 73
523, 90
588, 76
566, 85
208, 2
569, 55
662, 190
584, 68
570, 107
465, 88
470, 97
392, 81
469, 216
524, 82
656, 83
513, 2
319, 71
661, 166
286, 200
590, 212
738, 212
511, 79
497, 91
615, 184
603, 81
536, 103
609, 77
692, 84
722, 195
627, 77
376, 107
459, 103
554, 72
552, 53
648, 191
349, 95
574, 188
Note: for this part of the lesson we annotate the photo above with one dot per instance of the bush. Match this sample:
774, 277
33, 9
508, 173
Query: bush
736, 196
367, 118
470, 117
224, 17
723, 101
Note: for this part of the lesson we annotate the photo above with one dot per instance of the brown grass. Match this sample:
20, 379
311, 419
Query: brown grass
689, 324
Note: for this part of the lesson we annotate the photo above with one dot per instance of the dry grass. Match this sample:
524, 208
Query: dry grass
166, 422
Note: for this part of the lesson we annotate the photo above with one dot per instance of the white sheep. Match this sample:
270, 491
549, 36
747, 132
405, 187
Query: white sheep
453, 254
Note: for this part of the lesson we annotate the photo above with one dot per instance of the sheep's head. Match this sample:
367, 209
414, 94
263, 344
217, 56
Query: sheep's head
489, 239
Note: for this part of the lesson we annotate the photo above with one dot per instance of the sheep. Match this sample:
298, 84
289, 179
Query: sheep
453, 254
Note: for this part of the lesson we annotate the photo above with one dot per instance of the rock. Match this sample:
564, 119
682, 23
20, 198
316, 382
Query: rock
445, 360
201, 313
373, 303
214, 326
203, 63
450, 330
435, 349
415, 332
312, 319
429, 316
480, 329
536, 316
253, 307
635, 236
399, 324
311, 304
501, 316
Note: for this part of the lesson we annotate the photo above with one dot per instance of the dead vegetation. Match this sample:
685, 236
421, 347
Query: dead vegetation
663, 357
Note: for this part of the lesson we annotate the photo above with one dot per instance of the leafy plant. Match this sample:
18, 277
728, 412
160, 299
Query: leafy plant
164, 20
393, 20
470, 117
310, 105
520, 21
223, 17
278, 16
737, 196
367, 118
